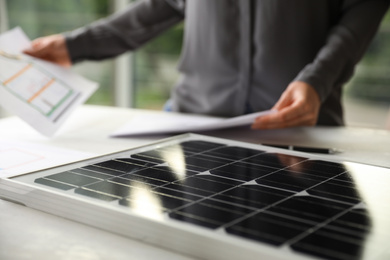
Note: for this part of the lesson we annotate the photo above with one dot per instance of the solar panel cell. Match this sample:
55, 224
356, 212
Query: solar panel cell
337, 248
72, 178
90, 173
253, 196
275, 160
233, 153
206, 213
310, 209
289, 180
54, 184
268, 228
242, 171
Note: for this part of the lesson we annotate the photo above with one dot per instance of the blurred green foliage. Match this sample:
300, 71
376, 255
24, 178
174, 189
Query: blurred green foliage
154, 64
43, 17
155, 69
372, 78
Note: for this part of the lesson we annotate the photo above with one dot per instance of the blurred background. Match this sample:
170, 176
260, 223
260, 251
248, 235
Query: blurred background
143, 79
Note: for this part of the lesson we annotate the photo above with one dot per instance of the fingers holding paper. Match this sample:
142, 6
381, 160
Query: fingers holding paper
51, 48
299, 105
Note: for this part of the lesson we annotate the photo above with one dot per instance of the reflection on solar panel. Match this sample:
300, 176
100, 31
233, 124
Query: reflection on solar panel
307, 207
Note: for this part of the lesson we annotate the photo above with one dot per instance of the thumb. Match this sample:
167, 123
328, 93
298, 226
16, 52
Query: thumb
42, 46
36, 47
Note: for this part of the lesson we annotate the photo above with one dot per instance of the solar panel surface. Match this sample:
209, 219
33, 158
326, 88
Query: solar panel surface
314, 207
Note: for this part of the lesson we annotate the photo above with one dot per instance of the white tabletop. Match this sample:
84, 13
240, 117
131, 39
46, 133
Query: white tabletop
30, 234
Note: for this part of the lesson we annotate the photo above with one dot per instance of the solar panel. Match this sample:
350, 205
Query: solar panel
220, 199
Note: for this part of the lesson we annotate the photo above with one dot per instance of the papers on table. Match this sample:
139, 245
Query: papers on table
41, 93
21, 157
174, 123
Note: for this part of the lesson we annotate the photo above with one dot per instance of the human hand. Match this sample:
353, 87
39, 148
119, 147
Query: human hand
299, 105
50, 48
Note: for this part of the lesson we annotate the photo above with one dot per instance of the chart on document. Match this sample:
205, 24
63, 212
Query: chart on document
41, 93
35, 86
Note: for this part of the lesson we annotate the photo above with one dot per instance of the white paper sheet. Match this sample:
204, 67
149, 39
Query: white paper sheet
21, 157
41, 93
174, 123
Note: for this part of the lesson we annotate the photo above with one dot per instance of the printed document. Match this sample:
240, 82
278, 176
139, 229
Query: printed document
18, 158
175, 123
41, 93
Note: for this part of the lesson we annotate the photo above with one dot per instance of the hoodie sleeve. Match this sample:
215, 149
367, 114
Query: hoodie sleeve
125, 30
346, 44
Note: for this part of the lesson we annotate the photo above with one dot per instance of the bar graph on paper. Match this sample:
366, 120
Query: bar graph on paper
33, 85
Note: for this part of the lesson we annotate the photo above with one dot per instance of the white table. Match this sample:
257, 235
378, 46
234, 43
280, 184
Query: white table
30, 234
